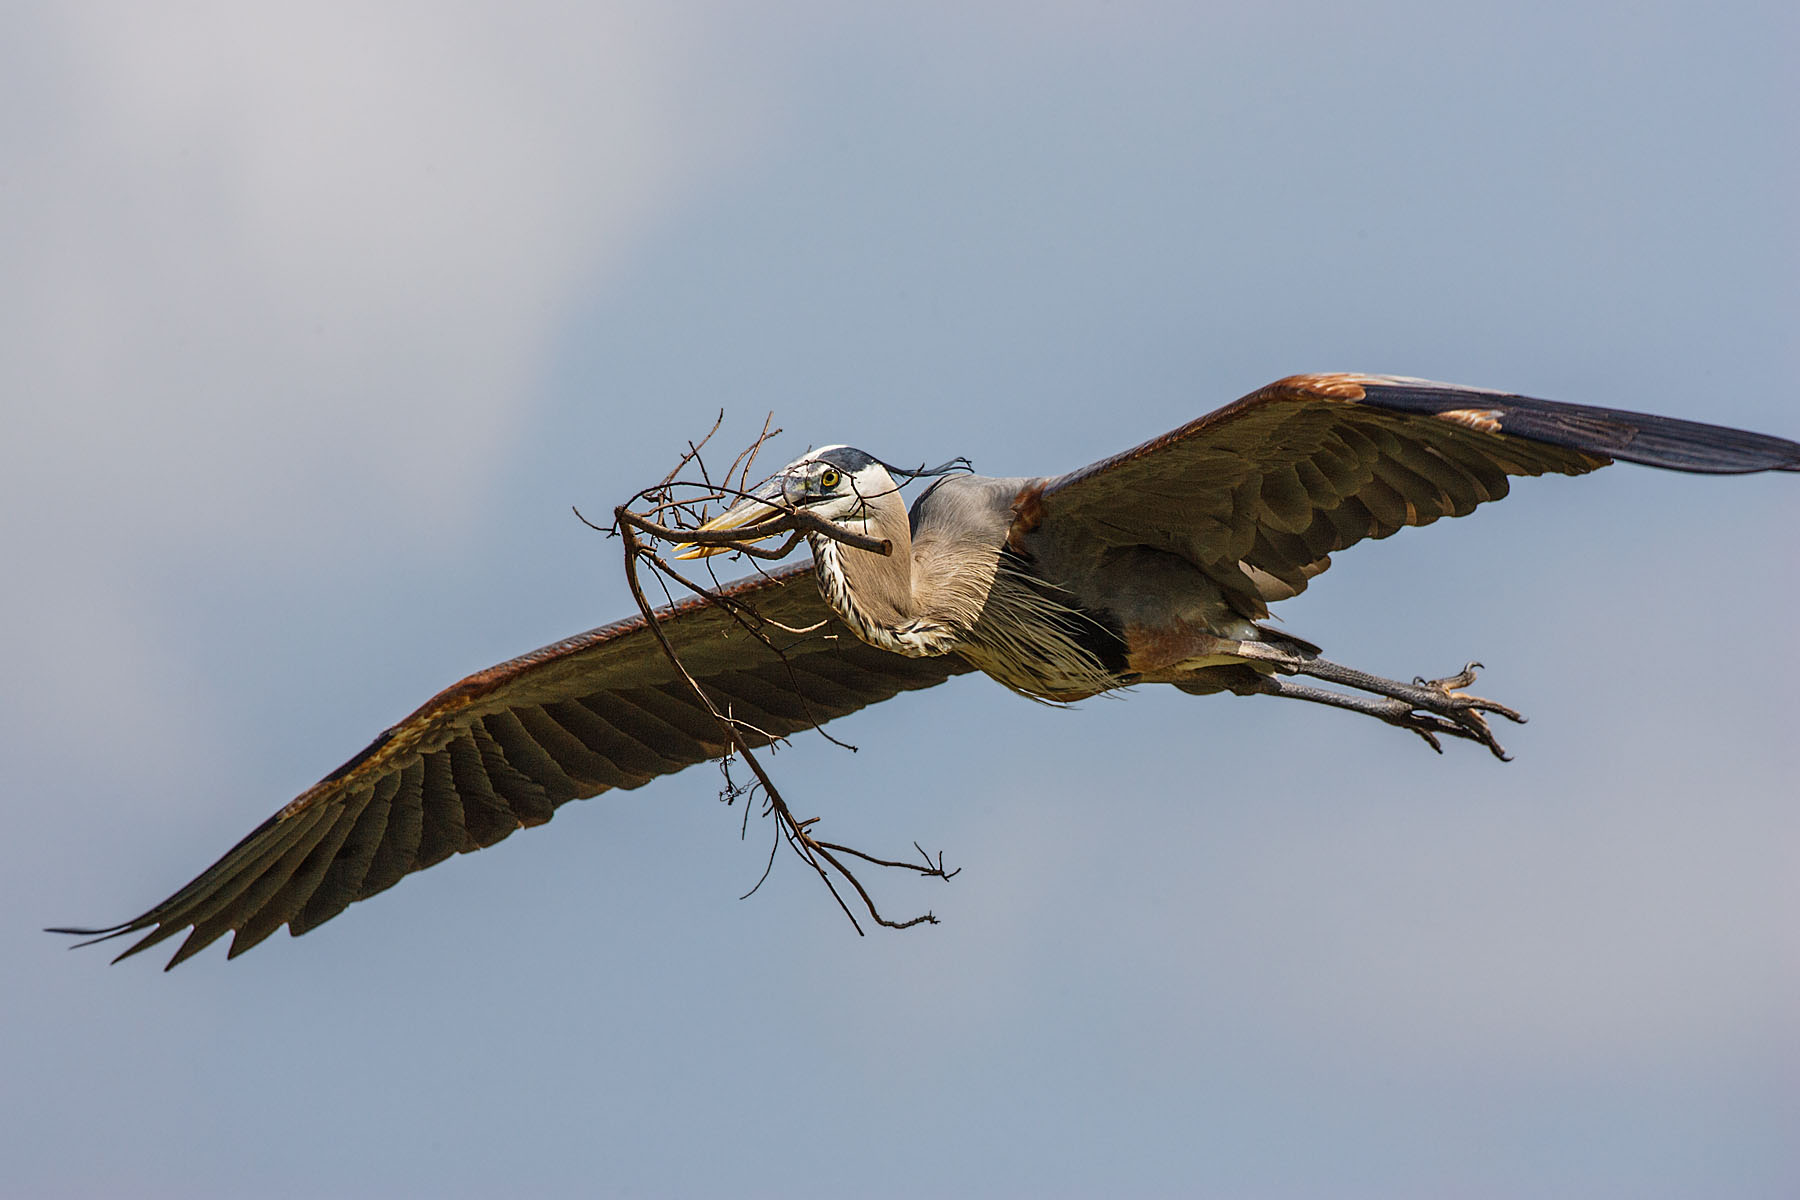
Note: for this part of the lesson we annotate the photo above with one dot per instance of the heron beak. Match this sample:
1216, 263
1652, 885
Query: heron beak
752, 511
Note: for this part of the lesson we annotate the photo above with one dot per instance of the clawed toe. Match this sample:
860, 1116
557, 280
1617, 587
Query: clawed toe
1429, 722
1462, 702
1461, 679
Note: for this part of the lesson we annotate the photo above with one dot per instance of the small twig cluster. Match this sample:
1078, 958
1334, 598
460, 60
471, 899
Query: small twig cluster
672, 511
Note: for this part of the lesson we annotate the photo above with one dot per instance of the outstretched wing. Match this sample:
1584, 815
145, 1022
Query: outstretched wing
503, 748
1259, 493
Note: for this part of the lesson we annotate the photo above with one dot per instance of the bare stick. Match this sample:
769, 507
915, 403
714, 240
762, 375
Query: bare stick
785, 519
823, 857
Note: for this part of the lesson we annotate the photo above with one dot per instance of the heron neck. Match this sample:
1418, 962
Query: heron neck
875, 593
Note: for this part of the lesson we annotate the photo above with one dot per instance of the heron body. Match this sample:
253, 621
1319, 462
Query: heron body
954, 585
1157, 565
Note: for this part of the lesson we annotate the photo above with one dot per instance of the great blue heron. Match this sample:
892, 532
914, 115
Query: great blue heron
1153, 566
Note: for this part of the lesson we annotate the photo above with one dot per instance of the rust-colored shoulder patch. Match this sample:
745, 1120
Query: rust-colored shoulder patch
1027, 515
1337, 386
1486, 420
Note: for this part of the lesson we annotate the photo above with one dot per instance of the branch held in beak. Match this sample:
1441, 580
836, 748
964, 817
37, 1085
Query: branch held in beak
767, 512
748, 513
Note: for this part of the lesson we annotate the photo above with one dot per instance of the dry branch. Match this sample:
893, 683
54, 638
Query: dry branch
671, 511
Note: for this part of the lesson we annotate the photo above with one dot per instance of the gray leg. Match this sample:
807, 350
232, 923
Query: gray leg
1428, 707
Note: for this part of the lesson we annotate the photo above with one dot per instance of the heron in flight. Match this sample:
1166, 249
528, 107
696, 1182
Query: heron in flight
1157, 565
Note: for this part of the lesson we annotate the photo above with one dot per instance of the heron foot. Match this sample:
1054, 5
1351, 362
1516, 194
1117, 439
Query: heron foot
1465, 711
1441, 708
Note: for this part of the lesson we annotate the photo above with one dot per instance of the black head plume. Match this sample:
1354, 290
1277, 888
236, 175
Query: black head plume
852, 460
959, 463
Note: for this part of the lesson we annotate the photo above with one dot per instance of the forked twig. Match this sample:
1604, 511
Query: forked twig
681, 503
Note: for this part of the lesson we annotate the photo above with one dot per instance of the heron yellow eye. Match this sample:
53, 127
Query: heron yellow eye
829, 478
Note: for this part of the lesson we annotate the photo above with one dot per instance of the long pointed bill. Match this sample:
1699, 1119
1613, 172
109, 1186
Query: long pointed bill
744, 513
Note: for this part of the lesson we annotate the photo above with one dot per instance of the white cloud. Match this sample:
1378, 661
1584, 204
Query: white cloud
280, 264
331, 226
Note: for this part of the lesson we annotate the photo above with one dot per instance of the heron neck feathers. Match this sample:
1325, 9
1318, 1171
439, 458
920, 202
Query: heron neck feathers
880, 597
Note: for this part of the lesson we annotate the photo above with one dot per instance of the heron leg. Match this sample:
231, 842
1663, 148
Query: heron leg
1428, 707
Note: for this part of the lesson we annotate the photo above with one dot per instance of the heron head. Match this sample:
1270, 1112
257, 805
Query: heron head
840, 484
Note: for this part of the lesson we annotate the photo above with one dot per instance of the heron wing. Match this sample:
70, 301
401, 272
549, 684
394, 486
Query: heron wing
505, 747
1266, 488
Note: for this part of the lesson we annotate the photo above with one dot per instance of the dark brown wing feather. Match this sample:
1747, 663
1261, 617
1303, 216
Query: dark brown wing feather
503, 748
1278, 480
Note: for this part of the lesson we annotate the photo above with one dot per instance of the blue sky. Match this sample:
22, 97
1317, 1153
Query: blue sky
318, 319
